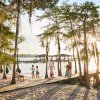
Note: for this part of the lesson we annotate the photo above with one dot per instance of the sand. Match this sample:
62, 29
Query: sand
38, 89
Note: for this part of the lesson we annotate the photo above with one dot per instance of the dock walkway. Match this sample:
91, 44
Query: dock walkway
29, 82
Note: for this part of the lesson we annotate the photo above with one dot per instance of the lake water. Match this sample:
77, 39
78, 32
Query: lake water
26, 68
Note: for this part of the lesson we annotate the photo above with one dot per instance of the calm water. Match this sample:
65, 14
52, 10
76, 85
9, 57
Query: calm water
26, 68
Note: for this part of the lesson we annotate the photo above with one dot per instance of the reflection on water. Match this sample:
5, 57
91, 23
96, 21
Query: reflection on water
26, 68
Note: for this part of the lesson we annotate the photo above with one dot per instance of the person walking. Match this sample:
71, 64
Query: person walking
70, 66
51, 67
33, 71
67, 73
37, 72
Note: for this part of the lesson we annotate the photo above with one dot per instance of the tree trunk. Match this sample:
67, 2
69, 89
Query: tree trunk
74, 60
4, 71
96, 57
13, 81
47, 50
0, 68
17, 59
97, 70
86, 54
58, 67
84, 73
79, 63
59, 58
73, 48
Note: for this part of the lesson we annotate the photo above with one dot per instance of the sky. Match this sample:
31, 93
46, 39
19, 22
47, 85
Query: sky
31, 44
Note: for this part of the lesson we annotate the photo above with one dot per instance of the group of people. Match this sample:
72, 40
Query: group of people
33, 72
51, 68
68, 72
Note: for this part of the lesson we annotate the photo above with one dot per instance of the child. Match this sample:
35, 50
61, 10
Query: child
37, 72
33, 70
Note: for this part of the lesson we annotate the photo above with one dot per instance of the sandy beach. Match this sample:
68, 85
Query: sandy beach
39, 89
52, 92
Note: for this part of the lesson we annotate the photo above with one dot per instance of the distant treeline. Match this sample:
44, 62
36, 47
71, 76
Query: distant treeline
41, 55
26, 55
